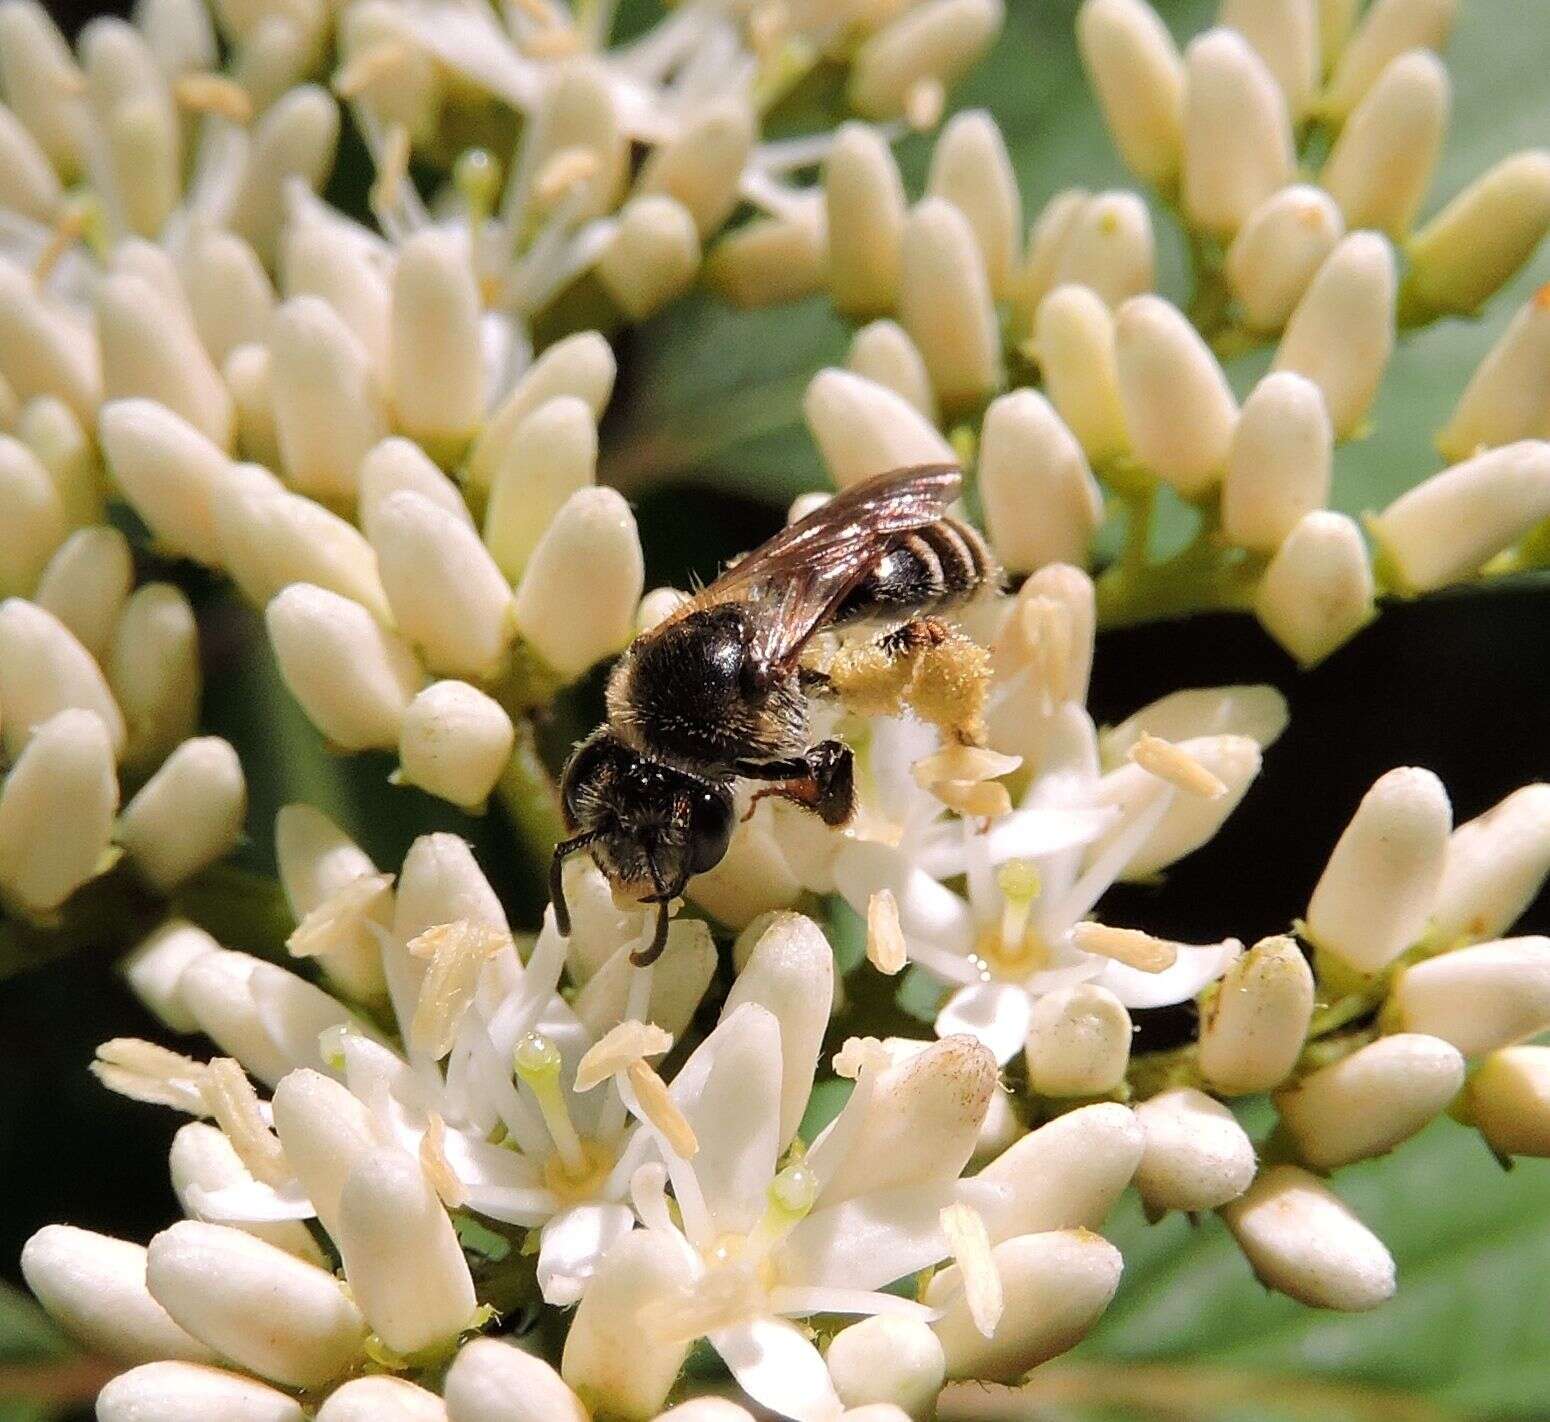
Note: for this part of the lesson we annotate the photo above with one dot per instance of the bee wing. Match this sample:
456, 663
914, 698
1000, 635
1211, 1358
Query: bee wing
797, 579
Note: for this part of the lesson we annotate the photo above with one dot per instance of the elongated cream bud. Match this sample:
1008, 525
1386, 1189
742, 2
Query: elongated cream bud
1078, 1042
180, 35
1301, 1240
353, 680
945, 303
325, 1131
328, 409
862, 428
1494, 868
578, 116
1073, 336
654, 256
1376, 892
167, 470
1367, 1103
399, 464
1472, 248
581, 365
1253, 1030
35, 518
1508, 394
87, 582
1137, 74
266, 1310
44, 670
455, 742
865, 203
1382, 163
1178, 407
1055, 1285
153, 668
314, 261
1281, 462
441, 883
1342, 332
1317, 592
1237, 135
933, 44
1196, 1156
296, 138
493, 1381
1278, 250
382, 1399
970, 167
882, 1359
1479, 998
152, 969
42, 84
94, 1285
1285, 34
436, 376
1108, 247
247, 373
187, 815
1387, 30
1508, 1101
552, 455
50, 429
1047, 240
28, 183
1447, 527
189, 1392
1042, 504
772, 261
882, 352
701, 165
42, 350
576, 602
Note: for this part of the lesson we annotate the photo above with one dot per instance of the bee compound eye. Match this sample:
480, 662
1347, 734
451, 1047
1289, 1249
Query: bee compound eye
710, 829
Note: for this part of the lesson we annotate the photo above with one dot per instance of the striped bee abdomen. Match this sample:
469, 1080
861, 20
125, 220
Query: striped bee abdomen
929, 569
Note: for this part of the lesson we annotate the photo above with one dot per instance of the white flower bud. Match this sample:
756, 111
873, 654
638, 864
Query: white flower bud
34, 515
401, 1256
382, 1399
1042, 504
316, 261
865, 204
1285, 34
945, 302
154, 966
94, 1286
328, 410
1447, 527
576, 602
247, 373
295, 138
1281, 462
1196, 1155
1302, 1241
718, 1409
87, 582
1472, 248
581, 365
1508, 1101
43, 86
455, 742
447, 594
137, 163
266, 1310
1369, 1102
1278, 250
701, 165
634, 1382
167, 470
1479, 998
190, 1392
1108, 247
1178, 407
1237, 135
971, 168
28, 183
862, 428
1376, 892
50, 429
1494, 868
1135, 69
1253, 1030
1341, 333
495, 1381
316, 858
229, 294
1382, 163
1078, 1042
1073, 336
883, 1359
882, 352
325, 1131
179, 33
772, 261
203, 1160
1387, 30
187, 815
552, 454
400, 464
1508, 394
578, 115
1056, 1286
441, 882
42, 350
217, 990
436, 376
1317, 592
935, 43
153, 668
44, 670
652, 258
353, 679
1065, 1175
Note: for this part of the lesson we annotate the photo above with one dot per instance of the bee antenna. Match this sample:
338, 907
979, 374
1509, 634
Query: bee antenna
562, 851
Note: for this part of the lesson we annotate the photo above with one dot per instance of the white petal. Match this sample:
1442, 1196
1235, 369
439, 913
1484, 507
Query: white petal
251, 1202
571, 1245
927, 910
1192, 970
869, 1241
994, 1013
1034, 833
777, 1367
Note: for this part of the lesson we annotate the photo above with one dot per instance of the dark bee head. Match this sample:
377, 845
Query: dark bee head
649, 827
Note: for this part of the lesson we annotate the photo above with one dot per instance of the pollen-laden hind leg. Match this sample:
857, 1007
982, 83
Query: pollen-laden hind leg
926, 667
823, 781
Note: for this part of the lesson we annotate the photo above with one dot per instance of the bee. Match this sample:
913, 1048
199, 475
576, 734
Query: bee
717, 691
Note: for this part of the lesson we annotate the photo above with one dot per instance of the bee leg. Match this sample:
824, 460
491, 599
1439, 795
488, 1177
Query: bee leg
562, 851
823, 781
